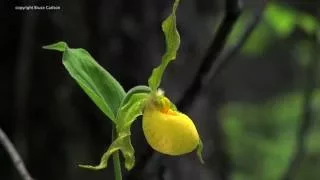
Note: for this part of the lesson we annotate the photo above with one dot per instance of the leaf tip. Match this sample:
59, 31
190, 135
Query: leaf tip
199, 152
129, 167
59, 46
99, 167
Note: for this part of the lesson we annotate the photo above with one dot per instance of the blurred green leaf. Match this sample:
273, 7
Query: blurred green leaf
282, 19
99, 85
308, 23
279, 21
261, 137
285, 19
172, 42
259, 39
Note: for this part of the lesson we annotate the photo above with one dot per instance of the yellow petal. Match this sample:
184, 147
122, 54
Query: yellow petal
169, 131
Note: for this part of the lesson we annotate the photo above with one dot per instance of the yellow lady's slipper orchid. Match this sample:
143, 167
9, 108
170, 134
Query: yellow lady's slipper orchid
168, 130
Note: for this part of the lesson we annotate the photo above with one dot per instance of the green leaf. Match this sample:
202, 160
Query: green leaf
100, 86
135, 90
258, 41
261, 138
59, 46
308, 23
172, 42
123, 144
199, 151
127, 114
281, 18
130, 111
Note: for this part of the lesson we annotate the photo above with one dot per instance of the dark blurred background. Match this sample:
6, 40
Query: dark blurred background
259, 118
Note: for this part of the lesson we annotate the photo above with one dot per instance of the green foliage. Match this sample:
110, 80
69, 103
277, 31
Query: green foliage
261, 138
122, 108
258, 40
172, 37
135, 90
101, 87
130, 111
279, 21
281, 18
199, 151
308, 23
304, 52
123, 144
126, 116
284, 20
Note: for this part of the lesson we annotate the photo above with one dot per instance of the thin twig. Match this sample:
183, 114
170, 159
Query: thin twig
225, 58
15, 157
232, 14
306, 119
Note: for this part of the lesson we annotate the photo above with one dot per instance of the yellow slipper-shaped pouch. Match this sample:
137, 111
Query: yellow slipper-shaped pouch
168, 130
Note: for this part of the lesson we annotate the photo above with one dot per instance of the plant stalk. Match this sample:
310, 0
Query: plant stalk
115, 157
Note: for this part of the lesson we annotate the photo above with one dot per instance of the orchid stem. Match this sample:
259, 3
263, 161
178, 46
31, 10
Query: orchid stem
116, 159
